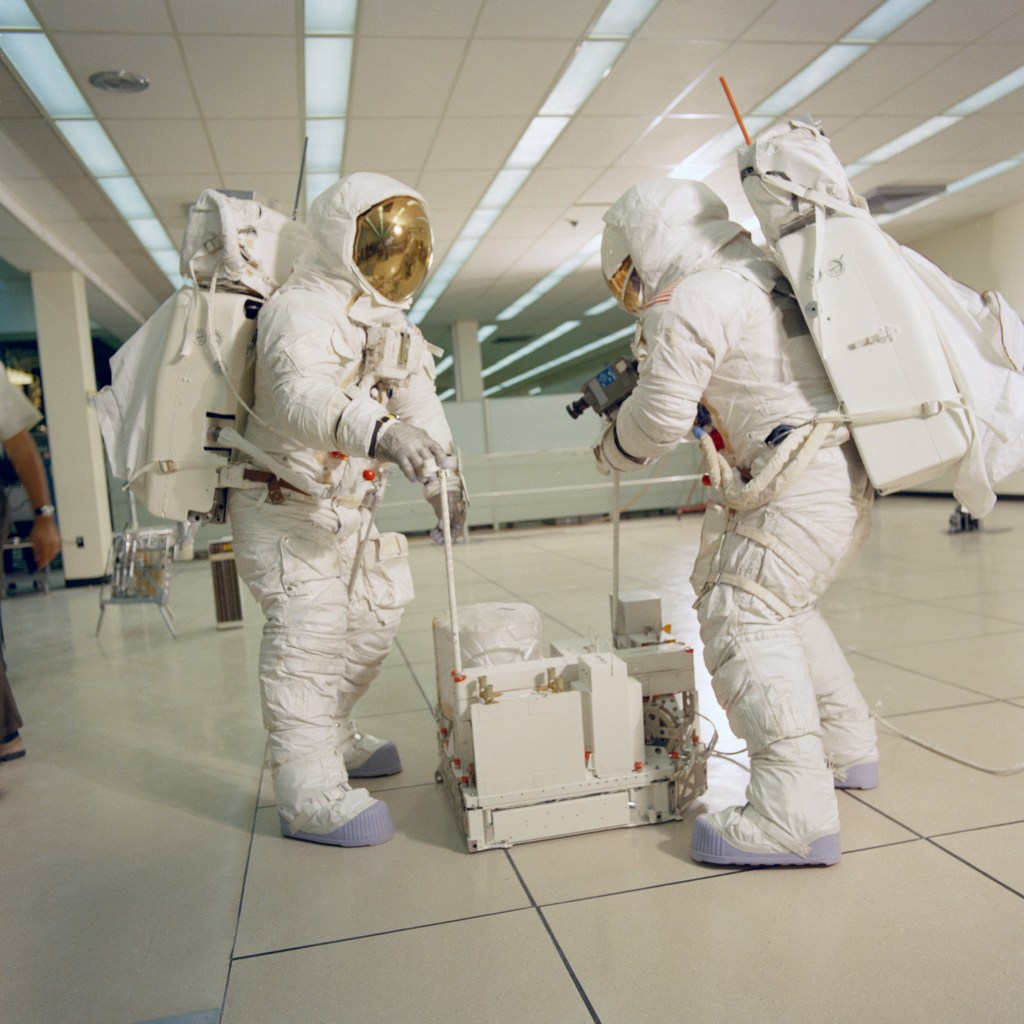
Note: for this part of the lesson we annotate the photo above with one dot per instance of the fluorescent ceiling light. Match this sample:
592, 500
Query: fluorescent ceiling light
36, 61
569, 357
885, 20
983, 175
443, 365
445, 395
538, 138
328, 67
819, 72
485, 332
330, 17
923, 131
996, 91
15, 14
94, 148
151, 233
126, 195
556, 276
621, 18
326, 140
504, 187
593, 61
698, 165
601, 307
480, 221
544, 339
319, 182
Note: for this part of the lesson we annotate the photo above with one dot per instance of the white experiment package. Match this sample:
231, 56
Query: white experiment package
927, 371
589, 737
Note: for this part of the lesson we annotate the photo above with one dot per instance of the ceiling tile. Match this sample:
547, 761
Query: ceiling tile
372, 143
804, 20
868, 83
537, 19
156, 57
13, 161
245, 75
452, 19
236, 17
955, 21
426, 73
163, 147
103, 16
653, 76
491, 80
474, 142
594, 141
673, 139
963, 74
240, 144
697, 19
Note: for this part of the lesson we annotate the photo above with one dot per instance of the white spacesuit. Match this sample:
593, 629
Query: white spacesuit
344, 382
714, 329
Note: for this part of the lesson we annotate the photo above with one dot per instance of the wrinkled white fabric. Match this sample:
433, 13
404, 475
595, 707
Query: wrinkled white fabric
716, 332
316, 412
321, 647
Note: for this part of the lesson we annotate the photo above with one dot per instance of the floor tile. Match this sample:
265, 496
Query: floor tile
805, 945
299, 894
996, 851
502, 969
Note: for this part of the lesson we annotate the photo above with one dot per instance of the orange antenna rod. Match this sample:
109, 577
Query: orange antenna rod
735, 111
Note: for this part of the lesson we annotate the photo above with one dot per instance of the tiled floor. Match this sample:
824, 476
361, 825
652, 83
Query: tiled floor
143, 876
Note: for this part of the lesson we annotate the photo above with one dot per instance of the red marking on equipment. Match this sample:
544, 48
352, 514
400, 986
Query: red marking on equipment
337, 455
464, 780
638, 766
674, 755
369, 474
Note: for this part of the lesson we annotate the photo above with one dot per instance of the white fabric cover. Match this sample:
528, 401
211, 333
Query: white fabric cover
712, 331
790, 175
322, 646
241, 243
715, 332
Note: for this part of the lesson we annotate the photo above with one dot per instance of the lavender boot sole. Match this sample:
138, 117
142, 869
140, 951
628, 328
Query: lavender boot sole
859, 776
385, 760
710, 847
370, 828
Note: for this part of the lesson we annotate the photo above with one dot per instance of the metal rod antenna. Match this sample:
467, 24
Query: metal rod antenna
735, 110
449, 565
616, 492
302, 174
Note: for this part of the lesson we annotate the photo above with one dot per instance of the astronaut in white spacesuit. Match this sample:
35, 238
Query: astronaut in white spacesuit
344, 383
716, 327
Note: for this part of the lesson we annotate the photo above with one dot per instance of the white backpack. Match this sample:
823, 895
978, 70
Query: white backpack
187, 373
927, 371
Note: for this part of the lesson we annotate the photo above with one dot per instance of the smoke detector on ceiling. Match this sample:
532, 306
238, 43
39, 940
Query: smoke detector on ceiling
119, 81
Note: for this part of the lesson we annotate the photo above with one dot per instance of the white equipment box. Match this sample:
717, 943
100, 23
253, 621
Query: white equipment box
576, 742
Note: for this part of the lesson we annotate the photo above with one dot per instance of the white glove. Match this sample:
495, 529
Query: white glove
456, 508
412, 450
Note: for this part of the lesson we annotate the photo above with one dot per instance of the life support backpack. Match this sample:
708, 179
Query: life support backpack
182, 385
927, 371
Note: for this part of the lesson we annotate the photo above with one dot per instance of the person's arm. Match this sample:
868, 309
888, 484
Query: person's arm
28, 464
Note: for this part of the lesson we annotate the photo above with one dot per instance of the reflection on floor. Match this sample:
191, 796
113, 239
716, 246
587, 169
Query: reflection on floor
144, 877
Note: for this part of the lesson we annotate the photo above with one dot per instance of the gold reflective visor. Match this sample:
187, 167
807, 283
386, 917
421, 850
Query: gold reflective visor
627, 288
393, 247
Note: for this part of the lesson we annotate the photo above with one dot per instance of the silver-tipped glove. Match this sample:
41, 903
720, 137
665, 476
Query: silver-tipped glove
412, 450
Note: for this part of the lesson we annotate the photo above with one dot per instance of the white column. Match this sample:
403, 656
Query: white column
76, 448
469, 384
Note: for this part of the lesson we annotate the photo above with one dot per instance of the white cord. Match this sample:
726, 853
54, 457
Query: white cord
1014, 770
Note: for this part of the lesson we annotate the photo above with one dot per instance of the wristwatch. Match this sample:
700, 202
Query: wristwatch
44, 510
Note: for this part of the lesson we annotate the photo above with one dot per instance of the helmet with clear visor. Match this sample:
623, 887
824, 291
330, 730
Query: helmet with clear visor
393, 248
619, 272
